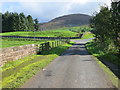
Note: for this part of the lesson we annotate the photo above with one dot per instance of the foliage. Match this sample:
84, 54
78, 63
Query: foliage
99, 52
23, 25
16, 22
93, 49
31, 23
106, 25
36, 25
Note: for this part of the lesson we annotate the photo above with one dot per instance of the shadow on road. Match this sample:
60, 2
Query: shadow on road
76, 49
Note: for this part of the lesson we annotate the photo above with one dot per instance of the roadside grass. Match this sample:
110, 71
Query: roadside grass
100, 53
11, 42
64, 32
71, 42
88, 35
81, 29
16, 73
114, 79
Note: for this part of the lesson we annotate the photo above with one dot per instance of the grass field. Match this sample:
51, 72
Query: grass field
61, 32
48, 33
80, 29
88, 35
25, 68
11, 42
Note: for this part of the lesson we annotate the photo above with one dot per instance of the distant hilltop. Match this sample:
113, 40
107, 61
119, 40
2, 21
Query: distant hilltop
66, 21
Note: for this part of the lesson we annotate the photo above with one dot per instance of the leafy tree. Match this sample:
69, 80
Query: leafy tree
16, 22
22, 22
0, 22
31, 23
106, 26
115, 23
5, 23
36, 25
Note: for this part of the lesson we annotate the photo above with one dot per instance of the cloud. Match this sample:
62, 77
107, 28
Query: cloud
78, 1
45, 10
1, 5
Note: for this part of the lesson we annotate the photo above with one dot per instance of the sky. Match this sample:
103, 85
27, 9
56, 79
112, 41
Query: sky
46, 10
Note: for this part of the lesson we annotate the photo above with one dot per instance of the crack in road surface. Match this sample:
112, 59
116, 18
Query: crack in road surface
75, 68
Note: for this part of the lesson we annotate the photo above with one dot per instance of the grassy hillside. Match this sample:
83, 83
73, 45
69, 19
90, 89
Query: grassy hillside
66, 20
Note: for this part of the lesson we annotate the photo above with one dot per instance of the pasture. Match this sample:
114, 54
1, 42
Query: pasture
11, 42
47, 33
61, 32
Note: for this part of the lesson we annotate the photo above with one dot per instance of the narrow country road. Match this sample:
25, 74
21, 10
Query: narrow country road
75, 68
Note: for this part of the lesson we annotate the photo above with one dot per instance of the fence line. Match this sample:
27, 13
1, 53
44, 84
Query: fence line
49, 45
41, 37
46, 46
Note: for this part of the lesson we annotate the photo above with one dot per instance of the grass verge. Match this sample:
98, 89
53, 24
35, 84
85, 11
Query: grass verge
98, 53
15, 73
88, 35
114, 79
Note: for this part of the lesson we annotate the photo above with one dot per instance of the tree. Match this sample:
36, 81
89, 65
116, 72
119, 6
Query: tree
16, 22
0, 22
5, 23
36, 25
22, 22
31, 23
106, 26
115, 22
101, 23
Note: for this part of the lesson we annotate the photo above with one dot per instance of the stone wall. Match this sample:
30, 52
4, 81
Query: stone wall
14, 53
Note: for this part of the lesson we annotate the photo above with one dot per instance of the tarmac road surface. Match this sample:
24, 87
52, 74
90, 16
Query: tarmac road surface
75, 68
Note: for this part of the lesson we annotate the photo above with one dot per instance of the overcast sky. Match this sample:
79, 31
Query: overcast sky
45, 10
